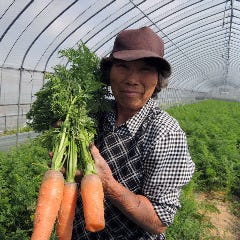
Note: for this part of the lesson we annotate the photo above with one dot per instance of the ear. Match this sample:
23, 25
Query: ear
105, 67
162, 82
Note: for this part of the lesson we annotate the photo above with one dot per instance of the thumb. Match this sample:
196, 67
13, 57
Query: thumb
95, 152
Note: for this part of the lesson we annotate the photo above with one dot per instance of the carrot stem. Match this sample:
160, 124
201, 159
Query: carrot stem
72, 161
59, 152
88, 162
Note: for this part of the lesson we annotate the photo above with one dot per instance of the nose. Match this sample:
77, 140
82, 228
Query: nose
132, 76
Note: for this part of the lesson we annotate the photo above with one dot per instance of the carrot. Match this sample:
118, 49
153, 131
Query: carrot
67, 212
48, 204
69, 98
91, 189
92, 199
51, 190
72, 100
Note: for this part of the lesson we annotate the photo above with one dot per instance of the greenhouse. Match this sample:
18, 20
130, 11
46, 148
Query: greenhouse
42, 41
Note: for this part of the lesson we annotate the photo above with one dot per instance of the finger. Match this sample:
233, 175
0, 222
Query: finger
78, 175
95, 152
50, 154
63, 171
57, 124
94, 149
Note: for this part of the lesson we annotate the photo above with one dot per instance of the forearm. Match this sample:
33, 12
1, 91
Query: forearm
136, 207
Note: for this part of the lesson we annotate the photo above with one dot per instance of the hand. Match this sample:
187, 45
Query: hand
57, 124
136, 207
103, 170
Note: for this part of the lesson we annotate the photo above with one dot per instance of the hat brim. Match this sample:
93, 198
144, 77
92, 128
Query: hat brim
131, 55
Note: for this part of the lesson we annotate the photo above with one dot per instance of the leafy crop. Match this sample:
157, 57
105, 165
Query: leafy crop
74, 95
213, 132
189, 223
72, 98
20, 175
212, 129
81, 78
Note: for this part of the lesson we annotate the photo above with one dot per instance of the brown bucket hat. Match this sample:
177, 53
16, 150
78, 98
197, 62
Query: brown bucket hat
133, 44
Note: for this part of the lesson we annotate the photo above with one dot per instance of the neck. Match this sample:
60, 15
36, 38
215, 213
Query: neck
123, 115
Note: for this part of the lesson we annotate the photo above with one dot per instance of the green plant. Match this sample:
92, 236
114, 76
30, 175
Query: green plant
190, 221
212, 129
21, 171
213, 135
73, 95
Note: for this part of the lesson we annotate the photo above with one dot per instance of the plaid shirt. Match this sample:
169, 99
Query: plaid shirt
148, 155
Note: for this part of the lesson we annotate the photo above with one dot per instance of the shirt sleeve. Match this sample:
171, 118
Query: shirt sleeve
167, 168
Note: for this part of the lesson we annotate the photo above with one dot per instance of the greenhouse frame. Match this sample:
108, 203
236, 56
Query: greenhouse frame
202, 43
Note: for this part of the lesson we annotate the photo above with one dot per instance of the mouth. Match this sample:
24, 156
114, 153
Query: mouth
130, 93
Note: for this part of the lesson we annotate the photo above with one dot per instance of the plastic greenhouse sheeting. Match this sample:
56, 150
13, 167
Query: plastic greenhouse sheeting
201, 42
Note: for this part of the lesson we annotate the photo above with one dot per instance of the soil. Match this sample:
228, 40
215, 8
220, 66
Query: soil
226, 225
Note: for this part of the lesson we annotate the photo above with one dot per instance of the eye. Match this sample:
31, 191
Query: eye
120, 65
147, 69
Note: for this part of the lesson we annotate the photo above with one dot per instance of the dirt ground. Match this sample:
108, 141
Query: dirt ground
227, 225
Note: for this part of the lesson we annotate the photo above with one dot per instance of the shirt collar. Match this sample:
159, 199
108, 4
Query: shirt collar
136, 121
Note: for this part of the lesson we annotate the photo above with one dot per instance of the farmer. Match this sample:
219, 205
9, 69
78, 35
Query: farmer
141, 153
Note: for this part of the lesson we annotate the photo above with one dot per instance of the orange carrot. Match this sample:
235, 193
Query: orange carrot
92, 199
67, 211
48, 204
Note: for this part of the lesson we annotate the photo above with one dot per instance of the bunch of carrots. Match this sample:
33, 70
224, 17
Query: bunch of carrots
72, 95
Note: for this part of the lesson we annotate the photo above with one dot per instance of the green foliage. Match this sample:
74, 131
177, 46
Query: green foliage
81, 79
20, 174
213, 132
73, 94
189, 223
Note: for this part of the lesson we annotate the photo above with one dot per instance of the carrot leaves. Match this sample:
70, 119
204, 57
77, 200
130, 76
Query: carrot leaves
73, 94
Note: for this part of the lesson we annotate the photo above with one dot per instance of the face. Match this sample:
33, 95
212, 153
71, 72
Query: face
132, 83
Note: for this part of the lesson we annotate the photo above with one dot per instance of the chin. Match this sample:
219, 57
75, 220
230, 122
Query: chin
134, 107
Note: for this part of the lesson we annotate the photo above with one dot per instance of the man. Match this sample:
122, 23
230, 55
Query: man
141, 153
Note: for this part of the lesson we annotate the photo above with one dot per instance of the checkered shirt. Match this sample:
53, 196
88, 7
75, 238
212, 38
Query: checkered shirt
148, 155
